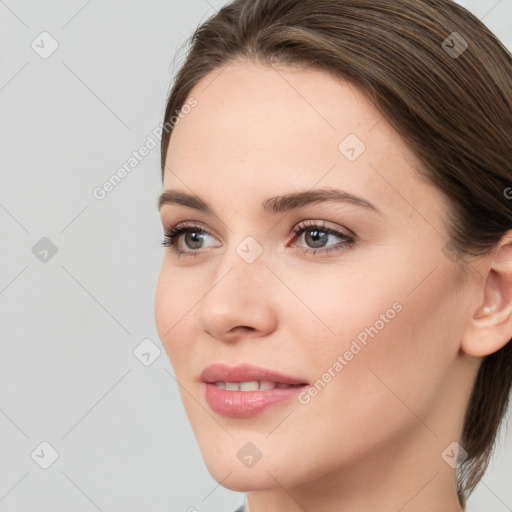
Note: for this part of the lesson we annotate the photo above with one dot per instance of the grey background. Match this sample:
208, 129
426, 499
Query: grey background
69, 325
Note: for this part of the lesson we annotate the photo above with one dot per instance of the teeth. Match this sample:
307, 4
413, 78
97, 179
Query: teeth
249, 386
254, 385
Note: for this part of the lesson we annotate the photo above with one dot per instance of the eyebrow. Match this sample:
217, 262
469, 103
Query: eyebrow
273, 205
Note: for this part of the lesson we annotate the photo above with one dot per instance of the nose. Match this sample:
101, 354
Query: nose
237, 301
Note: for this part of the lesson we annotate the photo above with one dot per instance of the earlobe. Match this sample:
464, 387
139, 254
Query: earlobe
490, 326
496, 303
484, 311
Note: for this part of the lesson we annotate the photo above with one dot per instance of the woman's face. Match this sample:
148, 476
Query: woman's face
368, 315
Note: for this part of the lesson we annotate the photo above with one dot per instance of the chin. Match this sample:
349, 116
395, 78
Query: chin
272, 470
244, 480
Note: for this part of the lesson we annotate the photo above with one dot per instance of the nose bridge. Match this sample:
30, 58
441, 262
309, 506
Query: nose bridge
243, 261
237, 295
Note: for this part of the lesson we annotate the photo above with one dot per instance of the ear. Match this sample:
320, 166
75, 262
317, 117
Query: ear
490, 326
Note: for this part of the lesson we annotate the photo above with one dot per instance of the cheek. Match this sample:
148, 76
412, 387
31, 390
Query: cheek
397, 342
173, 310
404, 348
336, 306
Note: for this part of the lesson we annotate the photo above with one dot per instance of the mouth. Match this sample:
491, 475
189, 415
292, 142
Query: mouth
244, 391
254, 385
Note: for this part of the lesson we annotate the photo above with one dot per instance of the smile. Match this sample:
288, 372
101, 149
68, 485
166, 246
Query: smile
244, 390
253, 385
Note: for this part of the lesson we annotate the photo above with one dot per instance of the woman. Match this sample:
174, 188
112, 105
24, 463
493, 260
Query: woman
336, 292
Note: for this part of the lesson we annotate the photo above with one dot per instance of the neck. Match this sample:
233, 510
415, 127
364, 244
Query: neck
389, 481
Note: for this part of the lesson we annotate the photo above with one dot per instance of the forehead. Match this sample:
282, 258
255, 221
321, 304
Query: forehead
258, 129
253, 108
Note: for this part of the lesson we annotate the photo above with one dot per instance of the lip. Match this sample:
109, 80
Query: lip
246, 404
244, 373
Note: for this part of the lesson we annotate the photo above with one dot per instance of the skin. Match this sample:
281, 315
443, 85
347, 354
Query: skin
373, 438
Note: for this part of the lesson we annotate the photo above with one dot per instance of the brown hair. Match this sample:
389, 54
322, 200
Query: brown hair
453, 109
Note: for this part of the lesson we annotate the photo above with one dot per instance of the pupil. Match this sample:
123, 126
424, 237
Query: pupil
316, 238
195, 239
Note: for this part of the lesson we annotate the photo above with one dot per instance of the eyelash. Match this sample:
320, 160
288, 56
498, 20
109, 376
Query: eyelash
172, 235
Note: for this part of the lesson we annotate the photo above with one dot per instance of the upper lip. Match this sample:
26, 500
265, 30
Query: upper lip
219, 372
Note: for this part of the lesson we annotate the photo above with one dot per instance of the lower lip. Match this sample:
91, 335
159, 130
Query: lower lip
246, 404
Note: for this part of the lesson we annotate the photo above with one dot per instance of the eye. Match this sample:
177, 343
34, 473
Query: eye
317, 234
193, 239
